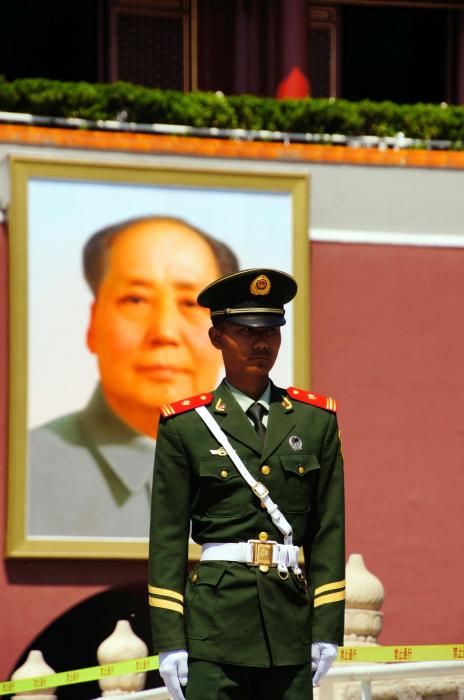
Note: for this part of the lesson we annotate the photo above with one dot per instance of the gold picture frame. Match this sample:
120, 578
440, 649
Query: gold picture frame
30, 177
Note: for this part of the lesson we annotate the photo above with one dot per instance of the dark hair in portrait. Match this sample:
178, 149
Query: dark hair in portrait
95, 253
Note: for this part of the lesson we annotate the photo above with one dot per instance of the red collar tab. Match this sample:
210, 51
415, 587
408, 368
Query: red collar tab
174, 409
311, 398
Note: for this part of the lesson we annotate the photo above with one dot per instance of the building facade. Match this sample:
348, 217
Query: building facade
402, 50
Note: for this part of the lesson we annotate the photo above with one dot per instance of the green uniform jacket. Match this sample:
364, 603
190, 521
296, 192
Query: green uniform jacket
234, 613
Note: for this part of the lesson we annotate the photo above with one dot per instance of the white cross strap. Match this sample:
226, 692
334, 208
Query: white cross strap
257, 487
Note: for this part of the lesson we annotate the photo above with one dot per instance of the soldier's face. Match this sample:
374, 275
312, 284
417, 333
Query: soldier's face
246, 351
146, 328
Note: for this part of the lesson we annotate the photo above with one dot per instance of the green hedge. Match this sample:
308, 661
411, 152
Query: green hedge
52, 98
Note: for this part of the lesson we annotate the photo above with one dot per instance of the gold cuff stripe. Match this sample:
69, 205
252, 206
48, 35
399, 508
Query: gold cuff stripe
331, 404
167, 592
330, 587
330, 598
167, 604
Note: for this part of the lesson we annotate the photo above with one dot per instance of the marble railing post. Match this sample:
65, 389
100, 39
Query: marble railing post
122, 645
35, 665
364, 598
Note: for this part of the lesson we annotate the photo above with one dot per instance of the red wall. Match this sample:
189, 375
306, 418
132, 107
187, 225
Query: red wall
387, 339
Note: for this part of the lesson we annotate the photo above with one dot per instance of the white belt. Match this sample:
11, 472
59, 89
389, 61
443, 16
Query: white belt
254, 553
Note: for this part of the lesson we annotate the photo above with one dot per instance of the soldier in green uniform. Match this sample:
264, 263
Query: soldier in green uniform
258, 473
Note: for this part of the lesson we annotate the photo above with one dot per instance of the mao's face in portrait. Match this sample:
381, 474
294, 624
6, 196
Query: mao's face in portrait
146, 328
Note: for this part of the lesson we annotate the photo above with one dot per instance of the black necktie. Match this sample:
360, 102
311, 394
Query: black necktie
256, 413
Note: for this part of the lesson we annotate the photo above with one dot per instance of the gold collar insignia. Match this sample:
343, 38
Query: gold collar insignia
286, 403
220, 406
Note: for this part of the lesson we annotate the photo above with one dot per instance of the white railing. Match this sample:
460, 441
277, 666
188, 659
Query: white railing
153, 694
363, 674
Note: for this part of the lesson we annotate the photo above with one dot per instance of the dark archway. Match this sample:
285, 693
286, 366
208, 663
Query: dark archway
71, 641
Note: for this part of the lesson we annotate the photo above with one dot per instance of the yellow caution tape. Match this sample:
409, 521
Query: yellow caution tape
380, 654
397, 654
81, 675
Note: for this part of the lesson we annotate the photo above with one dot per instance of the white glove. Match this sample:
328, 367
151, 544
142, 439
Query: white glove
323, 655
173, 670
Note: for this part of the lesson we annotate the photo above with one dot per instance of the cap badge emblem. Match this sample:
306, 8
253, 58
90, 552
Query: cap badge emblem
260, 286
295, 442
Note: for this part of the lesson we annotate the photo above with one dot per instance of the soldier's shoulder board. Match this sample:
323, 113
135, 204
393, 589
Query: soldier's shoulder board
177, 407
314, 399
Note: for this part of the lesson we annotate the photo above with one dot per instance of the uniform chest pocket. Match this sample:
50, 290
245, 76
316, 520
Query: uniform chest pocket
300, 474
223, 492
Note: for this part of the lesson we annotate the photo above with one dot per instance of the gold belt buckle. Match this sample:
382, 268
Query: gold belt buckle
262, 552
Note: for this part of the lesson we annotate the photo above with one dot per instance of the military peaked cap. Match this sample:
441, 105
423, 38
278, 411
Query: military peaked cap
253, 297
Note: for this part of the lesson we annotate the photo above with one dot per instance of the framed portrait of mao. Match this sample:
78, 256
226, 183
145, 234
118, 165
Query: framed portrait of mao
106, 263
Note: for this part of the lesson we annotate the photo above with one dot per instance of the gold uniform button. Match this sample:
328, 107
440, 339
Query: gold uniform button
300, 470
261, 505
263, 568
263, 536
266, 470
224, 473
194, 578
